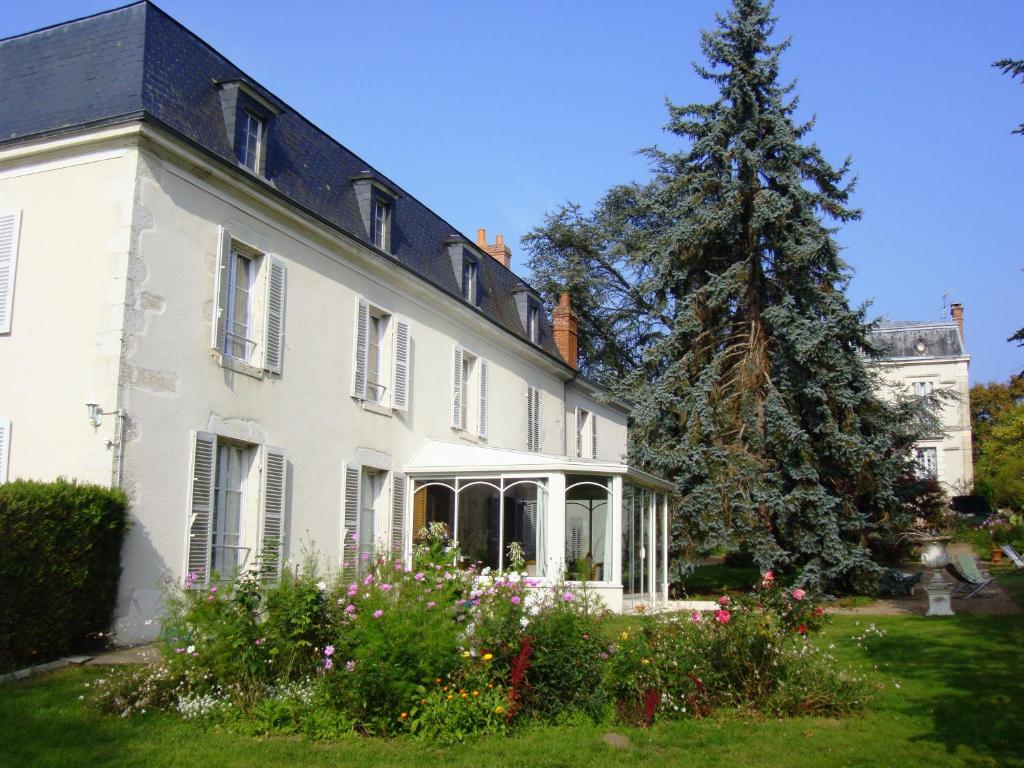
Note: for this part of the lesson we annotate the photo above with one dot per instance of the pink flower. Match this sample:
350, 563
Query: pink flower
350, 608
723, 617
350, 666
328, 663
355, 537
369, 579
366, 557
179, 650
261, 641
329, 651
398, 567
696, 617
378, 613
568, 597
798, 594
213, 589
420, 576
767, 578
385, 587
431, 604
724, 600
352, 590
515, 599
210, 598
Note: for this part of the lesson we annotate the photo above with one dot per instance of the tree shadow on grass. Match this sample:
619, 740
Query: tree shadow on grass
970, 676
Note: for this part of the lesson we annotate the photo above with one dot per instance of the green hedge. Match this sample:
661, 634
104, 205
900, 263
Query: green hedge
60, 561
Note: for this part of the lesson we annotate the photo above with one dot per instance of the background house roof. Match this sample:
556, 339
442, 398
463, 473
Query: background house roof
137, 62
898, 339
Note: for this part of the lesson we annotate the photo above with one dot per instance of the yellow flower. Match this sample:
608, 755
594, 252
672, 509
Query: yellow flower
645, 662
476, 693
498, 710
465, 654
464, 694
403, 716
445, 688
488, 656
624, 636
437, 680
450, 697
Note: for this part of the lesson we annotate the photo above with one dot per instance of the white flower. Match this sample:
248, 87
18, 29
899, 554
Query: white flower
513, 577
524, 622
322, 586
190, 649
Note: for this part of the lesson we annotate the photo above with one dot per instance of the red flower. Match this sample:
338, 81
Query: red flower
819, 611
802, 629
722, 617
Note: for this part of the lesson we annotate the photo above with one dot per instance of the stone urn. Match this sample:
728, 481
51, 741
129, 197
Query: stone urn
933, 551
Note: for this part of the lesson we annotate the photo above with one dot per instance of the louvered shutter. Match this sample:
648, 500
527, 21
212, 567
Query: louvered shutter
537, 419
10, 229
531, 429
272, 513
579, 432
400, 388
274, 344
593, 435
220, 290
398, 515
457, 386
350, 521
482, 422
361, 350
200, 505
5, 448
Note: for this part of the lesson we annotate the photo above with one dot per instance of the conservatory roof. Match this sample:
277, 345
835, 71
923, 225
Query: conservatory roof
440, 457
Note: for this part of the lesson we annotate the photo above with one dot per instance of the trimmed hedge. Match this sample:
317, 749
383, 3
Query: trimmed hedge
60, 561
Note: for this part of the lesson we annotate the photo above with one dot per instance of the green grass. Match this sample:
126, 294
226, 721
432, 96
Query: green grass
713, 580
946, 692
1011, 579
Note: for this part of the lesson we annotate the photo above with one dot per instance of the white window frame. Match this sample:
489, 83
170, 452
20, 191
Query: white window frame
470, 386
380, 339
380, 221
232, 339
533, 323
470, 272
251, 158
926, 468
923, 387
243, 454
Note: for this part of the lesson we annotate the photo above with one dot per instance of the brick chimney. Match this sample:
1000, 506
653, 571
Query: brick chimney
498, 250
566, 331
957, 311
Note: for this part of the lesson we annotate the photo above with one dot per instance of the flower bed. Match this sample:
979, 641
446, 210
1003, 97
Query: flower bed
446, 654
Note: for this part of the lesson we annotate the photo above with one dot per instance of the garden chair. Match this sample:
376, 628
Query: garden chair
1013, 554
964, 569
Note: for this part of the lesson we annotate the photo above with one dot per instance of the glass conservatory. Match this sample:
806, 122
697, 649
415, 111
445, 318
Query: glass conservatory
581, 520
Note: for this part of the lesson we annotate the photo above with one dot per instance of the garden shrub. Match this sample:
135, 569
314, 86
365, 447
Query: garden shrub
59, 567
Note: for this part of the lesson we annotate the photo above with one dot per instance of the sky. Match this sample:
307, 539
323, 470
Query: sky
495, 113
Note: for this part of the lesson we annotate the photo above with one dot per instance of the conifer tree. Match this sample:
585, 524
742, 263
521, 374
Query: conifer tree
751, 390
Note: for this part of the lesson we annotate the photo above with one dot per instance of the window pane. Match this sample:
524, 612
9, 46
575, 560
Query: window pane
374, 391
588, 534
523, 522
479, 523
227, 510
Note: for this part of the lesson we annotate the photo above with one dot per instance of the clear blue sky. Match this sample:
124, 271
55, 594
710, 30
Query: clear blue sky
493, 113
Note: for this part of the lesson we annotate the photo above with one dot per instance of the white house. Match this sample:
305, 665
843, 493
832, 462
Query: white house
208, 301
919, 357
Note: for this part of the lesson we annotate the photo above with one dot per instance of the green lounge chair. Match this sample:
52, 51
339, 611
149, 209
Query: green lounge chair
964, 568
1013, 554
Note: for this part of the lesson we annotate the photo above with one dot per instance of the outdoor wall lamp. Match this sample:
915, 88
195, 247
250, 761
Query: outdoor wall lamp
96, 412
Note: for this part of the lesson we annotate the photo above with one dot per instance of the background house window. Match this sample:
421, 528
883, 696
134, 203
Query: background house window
923, 388
237, 340
251, 135
469, 271
468, 388
533, 323
375, 388
369, 495
927, 460
227, 554
380, 216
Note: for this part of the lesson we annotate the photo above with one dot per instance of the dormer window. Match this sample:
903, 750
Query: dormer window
533, 323
381, 217
251, 141
469, 276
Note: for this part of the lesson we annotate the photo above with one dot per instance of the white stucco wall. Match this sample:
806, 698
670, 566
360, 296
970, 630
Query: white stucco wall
953, 448
63, 349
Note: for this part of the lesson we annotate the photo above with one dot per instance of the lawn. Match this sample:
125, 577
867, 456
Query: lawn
944, 692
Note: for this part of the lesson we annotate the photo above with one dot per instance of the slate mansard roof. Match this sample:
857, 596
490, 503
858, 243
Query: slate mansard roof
926, 340
137, 63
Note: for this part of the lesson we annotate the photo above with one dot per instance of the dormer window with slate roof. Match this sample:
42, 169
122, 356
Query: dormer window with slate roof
247, 116
376, 199
528, 303
466, 266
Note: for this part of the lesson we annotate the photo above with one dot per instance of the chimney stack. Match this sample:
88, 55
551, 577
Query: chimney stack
498, 251
565, 327
957, 311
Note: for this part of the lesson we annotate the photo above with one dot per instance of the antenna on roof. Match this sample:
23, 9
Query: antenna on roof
945, 305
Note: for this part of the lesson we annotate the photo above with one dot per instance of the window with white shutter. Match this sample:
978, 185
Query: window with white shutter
580, 418
361, 351
350, 505
272, 513
5, 448
274, 322
593, 435
400, 388
10, 229
458, 417
533, 419
483, 384
398, 515
199, 525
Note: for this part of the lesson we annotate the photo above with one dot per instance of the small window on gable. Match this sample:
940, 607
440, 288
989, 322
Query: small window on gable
247, 117
376, 201
469, 279
533, 323
380, 216
528, 303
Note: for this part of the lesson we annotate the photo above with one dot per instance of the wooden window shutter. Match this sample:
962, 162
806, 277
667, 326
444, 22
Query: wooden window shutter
419, 512
398, 515
350, 497
579, 432
200, 505
274, 327
272, 513
482, 423
537, 418
5, 448
400, 388
10, 230
457, 387
593, 435
220, 290
531, 419
361, 350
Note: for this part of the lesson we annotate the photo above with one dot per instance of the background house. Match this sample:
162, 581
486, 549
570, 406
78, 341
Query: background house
919, 357
270, 345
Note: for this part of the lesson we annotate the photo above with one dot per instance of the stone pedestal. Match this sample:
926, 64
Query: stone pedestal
939, 591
